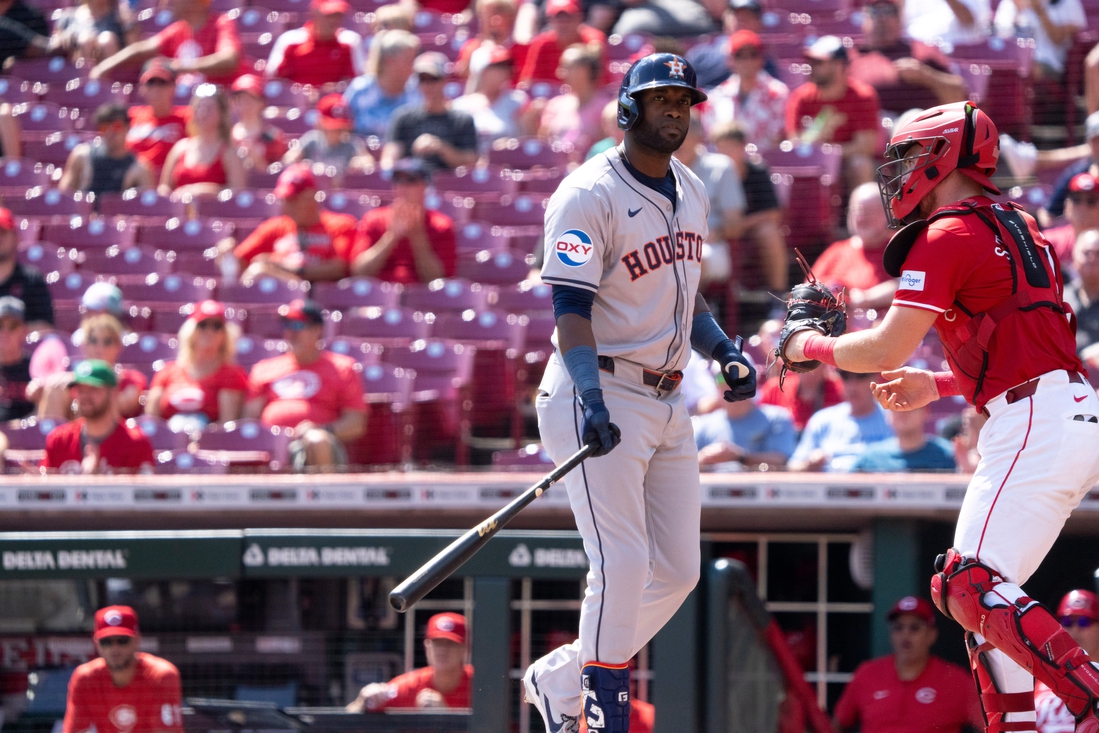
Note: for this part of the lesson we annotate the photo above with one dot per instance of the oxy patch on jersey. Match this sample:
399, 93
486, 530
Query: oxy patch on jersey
574, 248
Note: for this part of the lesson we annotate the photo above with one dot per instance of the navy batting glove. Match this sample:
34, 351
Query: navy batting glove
597, 426
731, 360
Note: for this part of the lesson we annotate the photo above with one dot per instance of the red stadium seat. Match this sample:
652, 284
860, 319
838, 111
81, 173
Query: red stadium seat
388, 393
486, 182
86, 234
493, 268
244, 204
253, 350
27, 440
68, 289
175, 288
285, 94
39, 120
14, 90
264, 291
814, 178
182, 461
386, 326
177, 234
202, 263
346, 202
458, 207
525, 297
479, 235
142, 207
50, 205
1008, 63
19, 174
375, 180
356, 292
157, 431
525, 153
255, 23
363, 351
426, 21
623, 47
47, 257
55, 149
445, 295
293, 122
148, 348
117, 260
248, 442
168, 317
295, 10
529, 458
153, 20
87, 94
522, 210
541, 180
50, 71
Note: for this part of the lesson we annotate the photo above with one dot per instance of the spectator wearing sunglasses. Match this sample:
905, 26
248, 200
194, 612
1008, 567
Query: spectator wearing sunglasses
315, 392
750, 96
1081, 214
204, 384
123, 690
207, 161
106, 165
910, 689
156, 125
1079, 614
443, 137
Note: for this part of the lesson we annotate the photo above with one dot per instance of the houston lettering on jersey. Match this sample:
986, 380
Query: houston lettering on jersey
658, 252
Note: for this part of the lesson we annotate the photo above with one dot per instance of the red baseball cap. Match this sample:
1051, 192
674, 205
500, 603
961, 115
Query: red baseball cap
330, 7
499, 55
115, 621
450, 626
915, 606
334, 112
1083, 182
744, 38
249, 83
295, 179
1079, 603
556, 7
157, 69
207, 309
7, 221
306, 311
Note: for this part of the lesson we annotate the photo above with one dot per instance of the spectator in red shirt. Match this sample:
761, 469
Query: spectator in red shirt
157, 126
124, 690
304, 243
833, 108
321, 51
258, 143
218, 58
1079, 614
405, 242
910, 689
495, 27
1081, 213
203, 385
206, 162
317, 393
97, 441
803, 394
444, 683
544, 56
856, 263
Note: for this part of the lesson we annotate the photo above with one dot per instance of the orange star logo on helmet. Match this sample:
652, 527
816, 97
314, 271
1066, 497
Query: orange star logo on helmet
677, 68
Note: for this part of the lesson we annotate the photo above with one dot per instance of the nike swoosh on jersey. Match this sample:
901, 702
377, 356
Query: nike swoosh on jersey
634, 213
1079, 399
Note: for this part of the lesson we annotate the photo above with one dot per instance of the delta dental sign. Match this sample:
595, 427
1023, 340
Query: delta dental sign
16, 560
313, 556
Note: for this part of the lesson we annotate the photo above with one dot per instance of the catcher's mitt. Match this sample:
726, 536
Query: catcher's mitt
811, 306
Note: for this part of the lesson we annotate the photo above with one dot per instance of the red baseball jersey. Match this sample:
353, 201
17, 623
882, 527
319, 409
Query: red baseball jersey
318, 392
799, 406
855, 111
544, 55
404, 688
151, 702
400, 267
299, 56
331, 238
851, 266
185, 394
125, 450
956, 266
151, 137
219, 33
942, 699
1052, 715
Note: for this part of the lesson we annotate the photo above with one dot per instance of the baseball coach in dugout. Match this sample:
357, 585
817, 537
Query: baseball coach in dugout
624, 236
986, 279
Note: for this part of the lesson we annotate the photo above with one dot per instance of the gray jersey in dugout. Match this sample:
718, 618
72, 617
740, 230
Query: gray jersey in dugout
608, 233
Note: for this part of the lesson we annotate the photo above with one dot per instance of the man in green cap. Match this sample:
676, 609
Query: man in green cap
97, 441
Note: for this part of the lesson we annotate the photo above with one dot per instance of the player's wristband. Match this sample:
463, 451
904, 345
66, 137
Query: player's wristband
583, 366
706, 335
946, 384
820, 348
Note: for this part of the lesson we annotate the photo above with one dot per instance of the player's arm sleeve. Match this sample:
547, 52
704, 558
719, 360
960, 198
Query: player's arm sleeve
171, 702
846, 715
76, 719
577, 239
938, 265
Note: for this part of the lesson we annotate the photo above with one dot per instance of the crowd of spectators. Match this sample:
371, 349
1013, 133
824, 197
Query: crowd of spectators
389, 107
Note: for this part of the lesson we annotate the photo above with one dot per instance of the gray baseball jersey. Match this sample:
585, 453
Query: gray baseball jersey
610, 234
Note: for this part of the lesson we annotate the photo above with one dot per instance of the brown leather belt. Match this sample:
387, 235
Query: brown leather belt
1027, 389
665, 381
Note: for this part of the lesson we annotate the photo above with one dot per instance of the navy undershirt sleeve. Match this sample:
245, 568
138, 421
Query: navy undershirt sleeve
567, 299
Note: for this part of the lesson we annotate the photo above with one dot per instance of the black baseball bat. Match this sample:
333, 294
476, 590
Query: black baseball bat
440, 567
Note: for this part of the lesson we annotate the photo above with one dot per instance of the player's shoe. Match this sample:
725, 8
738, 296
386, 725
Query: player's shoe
564, 723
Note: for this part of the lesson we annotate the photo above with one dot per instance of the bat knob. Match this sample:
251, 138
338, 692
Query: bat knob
399, 602
741, 370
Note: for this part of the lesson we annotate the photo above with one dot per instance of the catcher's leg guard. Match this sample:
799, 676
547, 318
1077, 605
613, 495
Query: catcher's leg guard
997, 704
605, 690
973, 595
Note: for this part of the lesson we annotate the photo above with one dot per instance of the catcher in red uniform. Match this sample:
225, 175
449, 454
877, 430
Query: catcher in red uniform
984, 277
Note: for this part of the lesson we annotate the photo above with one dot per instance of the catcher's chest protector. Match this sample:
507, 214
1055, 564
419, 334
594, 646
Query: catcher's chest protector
1036, 283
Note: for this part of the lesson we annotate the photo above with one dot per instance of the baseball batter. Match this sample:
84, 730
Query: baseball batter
624, 236
984, 277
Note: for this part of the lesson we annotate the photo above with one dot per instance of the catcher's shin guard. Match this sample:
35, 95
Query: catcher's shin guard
605, 690
973, 595
996, 704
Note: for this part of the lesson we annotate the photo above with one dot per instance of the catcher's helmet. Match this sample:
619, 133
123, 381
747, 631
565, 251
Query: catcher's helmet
925, 150
650, 72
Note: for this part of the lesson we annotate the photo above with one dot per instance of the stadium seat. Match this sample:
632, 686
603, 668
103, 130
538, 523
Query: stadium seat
157, 431
148, 348
203, 264
14, 90
247, 442
39, 120
168, 317
814, 178
179, 234
19, 174
541, 180
264, 291
623, 47
68, 288
153, 20
254, 23
386, 326
355, 292
479, 235
445, 295
117, 260
263, 321
54, 150
493, 268
27, 439
388, 394
529, 458
525, 153
1009, 62
47, 257
457, 207
252, 350
284, 94
50, 205
243, 204
142, 207
522, 210
485, 182
526, 297
182, 461
87, 94
361, 350
293, 122
346, 202
175, 288
50, 71
295, 10
375, 180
